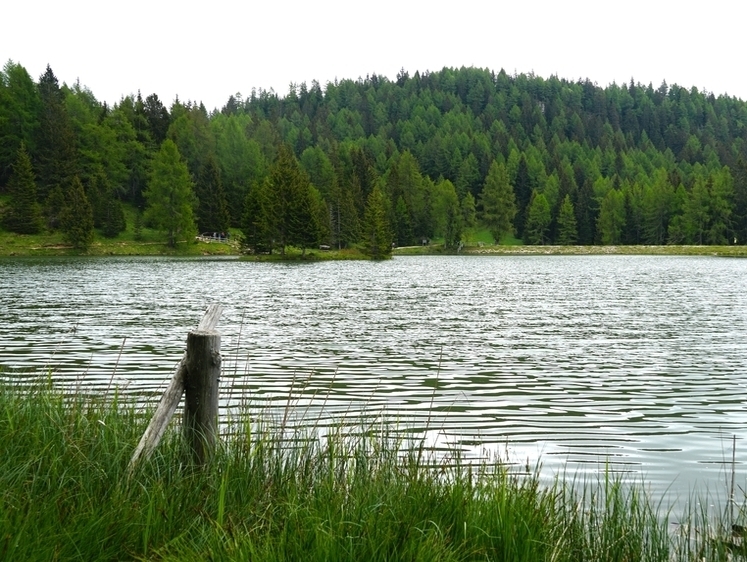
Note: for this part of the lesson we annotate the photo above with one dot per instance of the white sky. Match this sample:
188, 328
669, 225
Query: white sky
208, 51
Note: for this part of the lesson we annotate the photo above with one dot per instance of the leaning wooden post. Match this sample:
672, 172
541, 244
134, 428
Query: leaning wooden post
170, 399
201, 389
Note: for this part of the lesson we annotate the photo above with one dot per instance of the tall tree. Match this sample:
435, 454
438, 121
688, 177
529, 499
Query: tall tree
170, 195
290, 213
498, 202
469, 216
539, 219
567, 230
76, 218
20, 109
611, 221
377, 235
212, 209
523, 191
256, 223
24, 213
56, 152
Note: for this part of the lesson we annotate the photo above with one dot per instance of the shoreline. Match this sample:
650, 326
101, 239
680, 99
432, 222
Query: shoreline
717, 251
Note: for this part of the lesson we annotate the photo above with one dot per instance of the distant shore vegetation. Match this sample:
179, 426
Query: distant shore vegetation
374, 163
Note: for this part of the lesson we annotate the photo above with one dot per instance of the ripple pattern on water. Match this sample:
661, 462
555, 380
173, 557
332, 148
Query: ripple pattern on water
637, 363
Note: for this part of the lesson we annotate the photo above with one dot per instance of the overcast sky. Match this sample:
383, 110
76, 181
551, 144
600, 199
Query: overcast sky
208, 51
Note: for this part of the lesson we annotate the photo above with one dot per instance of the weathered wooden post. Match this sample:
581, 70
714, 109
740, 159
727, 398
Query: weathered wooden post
201, 389
172, 396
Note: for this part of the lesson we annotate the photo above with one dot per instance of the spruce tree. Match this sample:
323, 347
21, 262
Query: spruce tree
255, 222
24, 213
377, 235
212, 210
76, 218
56, 152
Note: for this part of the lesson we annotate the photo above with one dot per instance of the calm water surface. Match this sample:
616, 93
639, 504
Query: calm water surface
628, 362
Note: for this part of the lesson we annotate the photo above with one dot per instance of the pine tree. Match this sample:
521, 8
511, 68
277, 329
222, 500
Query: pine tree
498, 202
567, 231
377, 235
76, 218
170, 195
24, 213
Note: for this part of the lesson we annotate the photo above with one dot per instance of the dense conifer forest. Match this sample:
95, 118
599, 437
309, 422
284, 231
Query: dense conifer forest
373, 161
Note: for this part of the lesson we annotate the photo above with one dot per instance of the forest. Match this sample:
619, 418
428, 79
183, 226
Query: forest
376, 162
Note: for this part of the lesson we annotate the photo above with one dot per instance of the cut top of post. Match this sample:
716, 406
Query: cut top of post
210, 320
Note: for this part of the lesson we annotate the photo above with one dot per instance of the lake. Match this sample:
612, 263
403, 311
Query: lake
633, 364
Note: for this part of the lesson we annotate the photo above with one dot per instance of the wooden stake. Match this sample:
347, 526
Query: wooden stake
172, 396
201, 386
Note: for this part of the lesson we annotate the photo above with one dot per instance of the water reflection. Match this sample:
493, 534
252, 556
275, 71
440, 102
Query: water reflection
628, 363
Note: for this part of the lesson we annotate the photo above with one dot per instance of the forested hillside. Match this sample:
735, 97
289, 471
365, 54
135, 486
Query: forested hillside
437, 155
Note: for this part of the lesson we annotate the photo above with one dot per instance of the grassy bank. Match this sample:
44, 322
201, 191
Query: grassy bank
519, 250
146, 242
349, 496
297, 255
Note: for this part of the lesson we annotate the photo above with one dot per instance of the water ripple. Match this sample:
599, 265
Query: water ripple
628, 363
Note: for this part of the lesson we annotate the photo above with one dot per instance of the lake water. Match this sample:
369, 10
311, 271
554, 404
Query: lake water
628, 363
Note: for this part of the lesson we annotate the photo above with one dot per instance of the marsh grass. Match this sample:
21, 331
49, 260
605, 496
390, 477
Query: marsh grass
274, 493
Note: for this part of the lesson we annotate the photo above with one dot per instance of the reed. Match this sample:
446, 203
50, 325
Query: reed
275, 493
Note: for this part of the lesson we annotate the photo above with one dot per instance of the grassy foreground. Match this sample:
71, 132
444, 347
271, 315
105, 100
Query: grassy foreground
65, 495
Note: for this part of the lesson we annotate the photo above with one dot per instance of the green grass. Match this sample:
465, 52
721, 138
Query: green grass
293, 254
149, 243
352, 495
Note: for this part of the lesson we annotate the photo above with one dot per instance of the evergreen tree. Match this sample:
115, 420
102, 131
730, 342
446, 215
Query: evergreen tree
20, 109
657, 209
377, 236
611, 220
53, 208
108, 214
498, 202
567, 231
539, 219
76, 218
403, 223
256, 221
170, 195
24, 213
56, 152
344, 220
739, 216
289, 212
469, 216
523, 191
212, 209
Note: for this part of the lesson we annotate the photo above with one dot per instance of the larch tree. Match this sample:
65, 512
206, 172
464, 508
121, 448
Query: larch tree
170, 195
